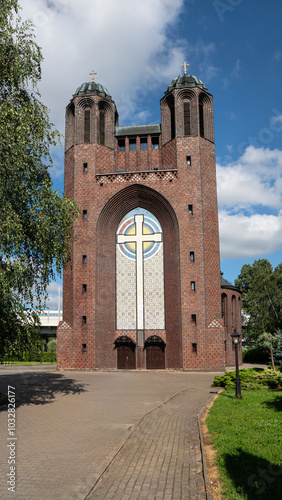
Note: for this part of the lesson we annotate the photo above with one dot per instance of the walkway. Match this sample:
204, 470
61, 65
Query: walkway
70, 426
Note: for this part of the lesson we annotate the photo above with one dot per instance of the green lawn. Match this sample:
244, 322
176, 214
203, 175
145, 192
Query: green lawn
247, 435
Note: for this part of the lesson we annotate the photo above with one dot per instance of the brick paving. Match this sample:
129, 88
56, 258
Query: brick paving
133, 434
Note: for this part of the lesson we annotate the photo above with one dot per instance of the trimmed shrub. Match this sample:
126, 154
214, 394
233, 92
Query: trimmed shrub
256, 355
251, 378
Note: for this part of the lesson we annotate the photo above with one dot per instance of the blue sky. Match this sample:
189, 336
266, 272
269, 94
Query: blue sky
137, 48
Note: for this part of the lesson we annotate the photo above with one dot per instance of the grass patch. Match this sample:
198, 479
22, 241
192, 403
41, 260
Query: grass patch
247, 436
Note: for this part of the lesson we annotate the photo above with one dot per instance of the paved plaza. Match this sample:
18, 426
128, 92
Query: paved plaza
104, 435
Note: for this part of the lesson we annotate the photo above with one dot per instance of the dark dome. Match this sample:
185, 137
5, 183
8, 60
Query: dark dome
90, 88
186, 81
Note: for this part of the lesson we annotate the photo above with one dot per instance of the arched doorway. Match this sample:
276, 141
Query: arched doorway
126, 359
155, 353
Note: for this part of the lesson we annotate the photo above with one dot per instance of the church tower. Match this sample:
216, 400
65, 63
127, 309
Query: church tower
143, 289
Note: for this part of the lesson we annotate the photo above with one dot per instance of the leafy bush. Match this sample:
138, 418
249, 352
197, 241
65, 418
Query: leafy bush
51, 345
252, 378
256, 355
46, 357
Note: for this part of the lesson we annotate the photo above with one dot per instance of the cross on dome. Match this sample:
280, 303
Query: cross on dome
185, 64
92, 74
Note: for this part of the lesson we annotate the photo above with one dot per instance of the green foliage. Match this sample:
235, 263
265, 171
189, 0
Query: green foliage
246, 434
35, 221
251, 378
277, 355
261, 288
52, 345
255, 355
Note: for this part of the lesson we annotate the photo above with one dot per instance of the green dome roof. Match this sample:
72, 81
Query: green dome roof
186, 81
90, 88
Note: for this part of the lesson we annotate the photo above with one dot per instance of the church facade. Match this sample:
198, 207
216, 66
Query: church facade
143, 289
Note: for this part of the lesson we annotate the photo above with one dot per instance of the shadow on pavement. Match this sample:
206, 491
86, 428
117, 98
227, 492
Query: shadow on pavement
254, 476
38, 388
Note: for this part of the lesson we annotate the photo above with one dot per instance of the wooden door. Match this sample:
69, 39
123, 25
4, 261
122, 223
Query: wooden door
155, 357
126, 357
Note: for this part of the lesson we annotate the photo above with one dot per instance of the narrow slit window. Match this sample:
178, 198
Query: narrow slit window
102, 128
84, 348
194, 348
188, 161
85, 214
193, 319
85, 167
193, 286
84, 259
192, 256
187, 128
87, 125
84, 320
190, 209
84, 288
201, 119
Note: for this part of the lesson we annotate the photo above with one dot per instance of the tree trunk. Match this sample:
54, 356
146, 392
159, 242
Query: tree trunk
272, 359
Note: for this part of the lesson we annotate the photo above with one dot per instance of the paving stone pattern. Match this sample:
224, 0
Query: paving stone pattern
70, 426
162, 458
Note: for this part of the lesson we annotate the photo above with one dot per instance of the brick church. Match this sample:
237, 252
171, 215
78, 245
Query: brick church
144, 290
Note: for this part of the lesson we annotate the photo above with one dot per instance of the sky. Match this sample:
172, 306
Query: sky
137, 48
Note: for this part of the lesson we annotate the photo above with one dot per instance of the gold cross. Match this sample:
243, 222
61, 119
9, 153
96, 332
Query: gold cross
185, 67
92, 74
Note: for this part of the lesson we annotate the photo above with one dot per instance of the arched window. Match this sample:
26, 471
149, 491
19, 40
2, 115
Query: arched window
139, 272
224, 308
187, 119
102, 127
233, 311
87, 125
201, 119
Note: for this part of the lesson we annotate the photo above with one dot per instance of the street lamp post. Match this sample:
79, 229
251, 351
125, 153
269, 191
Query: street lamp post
235, 338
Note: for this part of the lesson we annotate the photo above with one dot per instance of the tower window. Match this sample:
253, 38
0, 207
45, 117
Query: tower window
193, 286
188, 161
84, 259
192, 256
85, 167
102, 128
194, 348
193, 319
132, 144
84, 349
84, 319
144, 143
190, 209
84, 288
121, 144
187, 128
155, 143
87, 125
201, 119
84, 214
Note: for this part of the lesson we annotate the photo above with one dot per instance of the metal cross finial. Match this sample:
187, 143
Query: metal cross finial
185, 67
92, 74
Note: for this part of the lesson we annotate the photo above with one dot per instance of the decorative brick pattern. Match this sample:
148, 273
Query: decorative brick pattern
137, 176
164, 183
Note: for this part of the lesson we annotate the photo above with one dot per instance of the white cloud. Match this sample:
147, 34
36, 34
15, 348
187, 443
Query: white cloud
122, 40
255, 179
242, 236
250, 185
